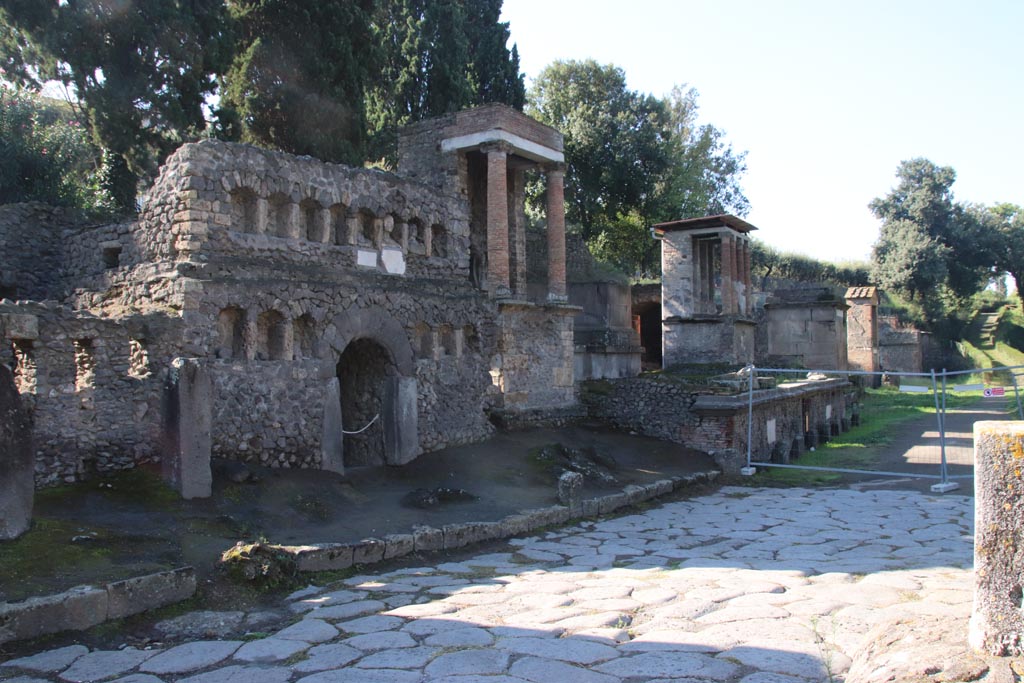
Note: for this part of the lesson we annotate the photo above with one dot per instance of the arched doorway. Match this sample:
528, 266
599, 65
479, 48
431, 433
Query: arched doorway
650, 333
364, 372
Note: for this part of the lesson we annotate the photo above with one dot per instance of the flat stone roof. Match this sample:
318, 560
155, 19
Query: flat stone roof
723, 220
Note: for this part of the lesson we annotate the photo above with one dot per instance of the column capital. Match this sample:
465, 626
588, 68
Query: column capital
554, 167
498, 146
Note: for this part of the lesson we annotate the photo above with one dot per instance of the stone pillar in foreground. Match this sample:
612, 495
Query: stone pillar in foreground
497, 220
556, 233
997, 622
17, 461
187, 429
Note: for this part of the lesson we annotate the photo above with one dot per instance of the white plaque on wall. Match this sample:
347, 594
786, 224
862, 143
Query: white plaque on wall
366, 258
770, 429
393, 261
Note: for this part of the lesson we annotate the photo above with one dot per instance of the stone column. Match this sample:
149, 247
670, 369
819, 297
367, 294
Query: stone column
187, 429
750, 282
497, 219
556, 233
728, 274
517, 232
997, 620
17, 460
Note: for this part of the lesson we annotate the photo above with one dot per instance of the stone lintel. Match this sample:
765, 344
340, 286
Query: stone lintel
520, 145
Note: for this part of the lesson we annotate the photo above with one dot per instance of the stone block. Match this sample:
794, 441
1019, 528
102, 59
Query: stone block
142, 593
17, 461
997, 622
322, 557
19, 326
634, 494
591, 507
187, 429
76, 609
516, 524
332, 449
459, 535
663, 487
607, 504
570, 488
397, 545
401, 436
427, 538
368, 551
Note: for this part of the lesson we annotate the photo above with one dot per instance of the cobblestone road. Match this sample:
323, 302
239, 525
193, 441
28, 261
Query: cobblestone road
747, 585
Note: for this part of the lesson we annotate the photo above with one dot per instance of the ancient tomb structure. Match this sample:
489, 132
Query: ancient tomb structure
330, 316
803, 327
862, 328
706, 302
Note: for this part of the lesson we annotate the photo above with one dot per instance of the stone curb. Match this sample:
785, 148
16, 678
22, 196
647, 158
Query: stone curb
331, 556
83, 607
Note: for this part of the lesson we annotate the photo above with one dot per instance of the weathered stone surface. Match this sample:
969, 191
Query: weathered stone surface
142, 593
309, 630
570, 488
997, 623
323, 557
241, 674
325, 657
191, 656
17, 461
202, 624
50, 660
269, 650
76, 609
97, 666
463, 662
188, 429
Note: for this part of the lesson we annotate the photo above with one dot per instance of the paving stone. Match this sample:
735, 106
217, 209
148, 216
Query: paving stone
575, 650
330, 656
407, 658
202, 624
778, 661
669, 665
461, 637
304, 593
191, 656
347, 610
308, 630
480, 662
138, 678
370, 624
666, 641
241, 674
269, 650
473, 678
426, 609
543, 670
383, 640
769, 677
25, 679
103, 664
50, 660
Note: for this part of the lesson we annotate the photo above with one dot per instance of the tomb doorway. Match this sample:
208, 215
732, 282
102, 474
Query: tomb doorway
364, 370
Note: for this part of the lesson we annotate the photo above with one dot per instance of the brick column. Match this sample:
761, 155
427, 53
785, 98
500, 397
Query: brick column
728, 258
556, 233
748, 287
497, 219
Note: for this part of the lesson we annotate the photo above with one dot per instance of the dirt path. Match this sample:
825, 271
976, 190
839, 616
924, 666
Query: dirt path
917, 448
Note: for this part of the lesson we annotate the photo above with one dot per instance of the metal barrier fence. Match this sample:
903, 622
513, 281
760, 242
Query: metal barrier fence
938, 447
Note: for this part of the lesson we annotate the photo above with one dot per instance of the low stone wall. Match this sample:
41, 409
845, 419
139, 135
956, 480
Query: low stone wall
92, 386
663, 408
83, 607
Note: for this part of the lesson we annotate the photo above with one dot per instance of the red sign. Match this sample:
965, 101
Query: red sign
994, 391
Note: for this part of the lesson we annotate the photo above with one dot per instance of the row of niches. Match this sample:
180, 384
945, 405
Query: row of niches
279, 216
273, 336
27, 367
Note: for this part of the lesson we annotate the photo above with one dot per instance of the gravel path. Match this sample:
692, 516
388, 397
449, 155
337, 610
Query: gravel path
743, 585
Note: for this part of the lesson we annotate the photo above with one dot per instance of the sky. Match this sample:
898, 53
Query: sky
826, 97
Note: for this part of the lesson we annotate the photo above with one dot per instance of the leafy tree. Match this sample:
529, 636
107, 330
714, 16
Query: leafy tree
1008, 221
46, 154
767, 262
439, 56
140, 71
928, 242
299, 75
616, 140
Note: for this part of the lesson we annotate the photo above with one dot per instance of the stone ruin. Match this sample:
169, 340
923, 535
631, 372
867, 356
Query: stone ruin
287, 312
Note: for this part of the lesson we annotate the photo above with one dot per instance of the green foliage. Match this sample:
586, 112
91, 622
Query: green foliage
46, 155
298, 76
632, 160
438, 56
932, 249
140, 71
1008, 221
768, 262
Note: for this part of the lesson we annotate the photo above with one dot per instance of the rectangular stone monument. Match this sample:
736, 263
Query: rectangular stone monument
997, 622
187, 426
17, 461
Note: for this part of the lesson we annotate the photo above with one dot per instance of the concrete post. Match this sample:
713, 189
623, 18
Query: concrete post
556, 233
497, 220
17, 461
187, 429
997, 622
332, 445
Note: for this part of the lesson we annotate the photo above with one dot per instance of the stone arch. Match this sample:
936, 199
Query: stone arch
438, 241
231, 333
339, 224
312, 227
373, 369
304, 333
279, 220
